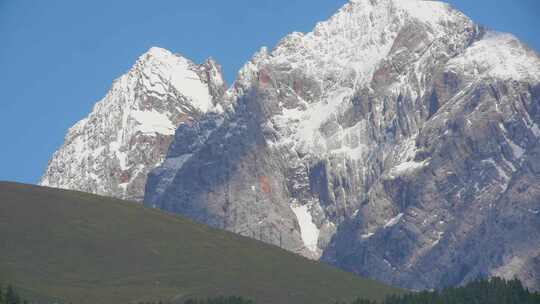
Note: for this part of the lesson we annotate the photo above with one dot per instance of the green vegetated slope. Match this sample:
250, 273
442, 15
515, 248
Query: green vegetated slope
83, 248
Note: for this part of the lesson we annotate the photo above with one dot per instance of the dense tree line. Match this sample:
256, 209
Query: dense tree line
219, 300
10, 296
484, 291
492, 291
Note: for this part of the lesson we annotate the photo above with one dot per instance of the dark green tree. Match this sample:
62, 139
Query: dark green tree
2, 295
11, 296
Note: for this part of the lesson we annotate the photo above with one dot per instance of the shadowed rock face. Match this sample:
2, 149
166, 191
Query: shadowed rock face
399, 135
227, 176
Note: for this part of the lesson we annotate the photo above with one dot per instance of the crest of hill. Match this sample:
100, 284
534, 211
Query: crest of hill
83, 248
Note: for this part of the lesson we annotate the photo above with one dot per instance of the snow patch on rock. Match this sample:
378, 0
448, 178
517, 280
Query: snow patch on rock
153, 122
393, 221
407, 168
308, 229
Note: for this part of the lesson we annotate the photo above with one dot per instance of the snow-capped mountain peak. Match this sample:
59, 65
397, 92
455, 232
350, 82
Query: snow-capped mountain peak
397, 140
128, 132
160, 68
362, 33
391, 132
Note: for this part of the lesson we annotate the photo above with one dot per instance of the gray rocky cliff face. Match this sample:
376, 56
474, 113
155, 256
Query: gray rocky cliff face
397, 140
463, 206
129, 132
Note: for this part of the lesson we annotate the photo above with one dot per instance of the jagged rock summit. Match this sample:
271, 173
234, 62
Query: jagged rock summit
129, 131
398, 140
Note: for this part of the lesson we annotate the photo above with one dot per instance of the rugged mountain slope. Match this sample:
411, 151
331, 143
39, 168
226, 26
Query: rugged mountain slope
83, 248
397, 140
128, 132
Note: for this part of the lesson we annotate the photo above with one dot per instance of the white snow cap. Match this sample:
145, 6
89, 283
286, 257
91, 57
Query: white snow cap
161, 67
360, 35
498, 55
424, 10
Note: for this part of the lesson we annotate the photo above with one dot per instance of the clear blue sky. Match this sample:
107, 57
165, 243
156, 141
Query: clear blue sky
57, 58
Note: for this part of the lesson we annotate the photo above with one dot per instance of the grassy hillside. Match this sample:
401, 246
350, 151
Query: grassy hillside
84, 248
